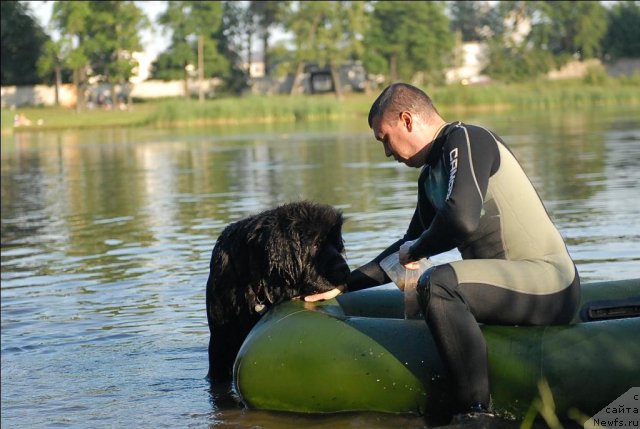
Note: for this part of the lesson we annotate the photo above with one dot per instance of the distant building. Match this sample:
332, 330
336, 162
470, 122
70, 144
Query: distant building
473, 58
255, 66
142, 71
314, 80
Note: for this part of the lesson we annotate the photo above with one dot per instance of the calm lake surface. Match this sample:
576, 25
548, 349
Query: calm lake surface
107, 234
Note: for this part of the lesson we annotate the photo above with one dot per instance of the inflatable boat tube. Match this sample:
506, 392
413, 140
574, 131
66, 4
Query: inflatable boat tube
358, 353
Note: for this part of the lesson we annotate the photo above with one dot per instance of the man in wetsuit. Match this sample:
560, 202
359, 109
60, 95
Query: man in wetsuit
472, 195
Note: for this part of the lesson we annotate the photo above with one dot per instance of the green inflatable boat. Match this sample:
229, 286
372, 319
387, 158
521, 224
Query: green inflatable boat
358, 353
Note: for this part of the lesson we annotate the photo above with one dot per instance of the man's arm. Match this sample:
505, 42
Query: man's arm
371, 274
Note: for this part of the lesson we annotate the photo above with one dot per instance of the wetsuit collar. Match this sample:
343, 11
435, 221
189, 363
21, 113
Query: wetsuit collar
438, 142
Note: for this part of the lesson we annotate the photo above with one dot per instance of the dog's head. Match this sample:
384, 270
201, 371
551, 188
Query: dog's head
305, 250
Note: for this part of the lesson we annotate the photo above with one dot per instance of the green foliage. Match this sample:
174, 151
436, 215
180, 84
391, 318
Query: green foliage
596, 75
113, 30
169, 65
237, 27
632, 81
71, 18
537, 94
267, 15
186, 21
281, 60
575, 28
98, 38
411, 37
247, 109
316, 31
475, 20
560, 31
517, 63
22, 43
356, 25
623, 31
50, 60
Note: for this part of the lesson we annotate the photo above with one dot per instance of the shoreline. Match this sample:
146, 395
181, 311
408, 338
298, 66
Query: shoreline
177, 113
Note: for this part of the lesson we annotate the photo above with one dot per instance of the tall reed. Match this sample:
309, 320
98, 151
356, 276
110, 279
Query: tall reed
248, 109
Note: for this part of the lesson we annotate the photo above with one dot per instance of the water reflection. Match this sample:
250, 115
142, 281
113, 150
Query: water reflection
106, 237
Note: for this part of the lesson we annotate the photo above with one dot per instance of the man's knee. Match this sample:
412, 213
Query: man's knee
437, 282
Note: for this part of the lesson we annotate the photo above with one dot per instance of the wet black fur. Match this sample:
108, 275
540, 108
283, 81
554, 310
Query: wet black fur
292, 250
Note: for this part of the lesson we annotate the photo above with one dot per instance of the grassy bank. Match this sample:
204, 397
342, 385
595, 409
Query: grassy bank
282, 108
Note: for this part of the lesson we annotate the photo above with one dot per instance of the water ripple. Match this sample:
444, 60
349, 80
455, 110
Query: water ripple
106, 247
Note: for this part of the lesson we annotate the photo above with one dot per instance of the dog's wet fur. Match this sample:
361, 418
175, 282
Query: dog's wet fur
293, 250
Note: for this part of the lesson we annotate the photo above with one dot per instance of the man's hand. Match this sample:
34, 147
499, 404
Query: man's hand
403, 256
323, 296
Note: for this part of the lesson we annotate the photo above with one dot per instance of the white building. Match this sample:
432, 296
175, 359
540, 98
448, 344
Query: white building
474, 57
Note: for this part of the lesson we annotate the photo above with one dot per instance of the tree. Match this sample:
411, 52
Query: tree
51, 61
326, 34
187, 21
409, 37
98, 40
268, 15
23, 40
512, 57
114, 35
71, 18
475, 20
305, 24
623, 33
517, 63
356, 15
570, 28
235, 37
239, 26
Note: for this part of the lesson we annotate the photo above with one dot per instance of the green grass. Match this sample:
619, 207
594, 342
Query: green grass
61, 118
278, 108
539, 95
283, 108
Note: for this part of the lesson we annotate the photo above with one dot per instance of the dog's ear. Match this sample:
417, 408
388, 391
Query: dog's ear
335, 237
332, 221
284, 254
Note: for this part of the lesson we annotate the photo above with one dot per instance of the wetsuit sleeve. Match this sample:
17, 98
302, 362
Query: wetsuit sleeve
371, 274
470, 157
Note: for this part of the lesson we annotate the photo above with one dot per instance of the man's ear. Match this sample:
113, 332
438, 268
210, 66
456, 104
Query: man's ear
407, 120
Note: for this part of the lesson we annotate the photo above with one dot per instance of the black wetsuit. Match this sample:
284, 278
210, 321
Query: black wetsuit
473, 195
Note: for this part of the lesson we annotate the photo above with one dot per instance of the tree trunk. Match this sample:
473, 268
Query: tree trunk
186, 81
129, 97
200, 68
393, 67
300, 67
335, 76
58, 82
249, 56
265, 52
296, 77
76, 84
79, 80
114, 96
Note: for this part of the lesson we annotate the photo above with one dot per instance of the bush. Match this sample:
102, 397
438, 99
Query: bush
596, 75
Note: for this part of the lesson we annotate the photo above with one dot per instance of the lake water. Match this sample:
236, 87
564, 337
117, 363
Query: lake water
107, 234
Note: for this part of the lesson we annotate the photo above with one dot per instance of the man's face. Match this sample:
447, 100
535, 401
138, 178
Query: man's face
394, 133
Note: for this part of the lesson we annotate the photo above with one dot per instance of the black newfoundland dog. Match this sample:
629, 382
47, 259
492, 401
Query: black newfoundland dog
292, 250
